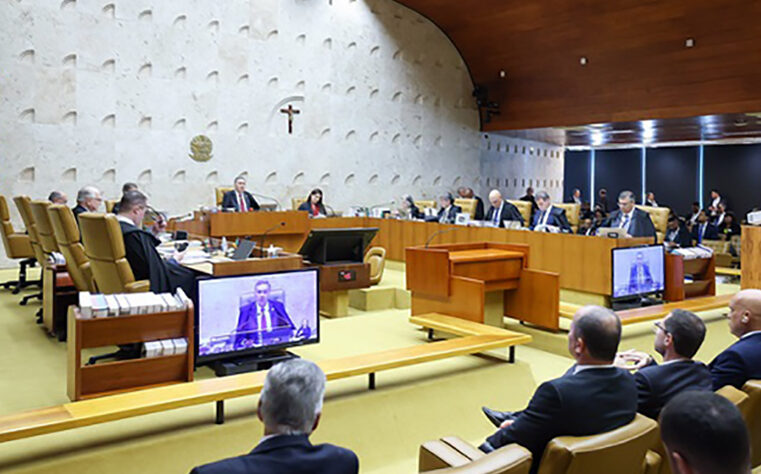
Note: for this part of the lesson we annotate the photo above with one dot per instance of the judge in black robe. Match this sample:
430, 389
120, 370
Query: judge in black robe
165, 276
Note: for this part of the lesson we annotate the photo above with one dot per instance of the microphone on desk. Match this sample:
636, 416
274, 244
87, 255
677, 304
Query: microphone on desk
439, 232
330, 210
277, 203
281, 224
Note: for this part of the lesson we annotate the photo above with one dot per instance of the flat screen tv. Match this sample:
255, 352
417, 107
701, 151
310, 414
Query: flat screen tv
638, 271
246, 315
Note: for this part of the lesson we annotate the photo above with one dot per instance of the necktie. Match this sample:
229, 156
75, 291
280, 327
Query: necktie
496, 215
541, 218
625, 222
241, 203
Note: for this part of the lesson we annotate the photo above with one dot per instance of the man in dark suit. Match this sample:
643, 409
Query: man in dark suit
263, 321
704, 230
716, 201
677, 338
602, 200
635, 222
640, 278
676, 234
89, 199
290, 407
593, 397
704, 433
239, 199
575, 197
467, 193
549, 215
448, 212
529, 197
741, 361
501, 210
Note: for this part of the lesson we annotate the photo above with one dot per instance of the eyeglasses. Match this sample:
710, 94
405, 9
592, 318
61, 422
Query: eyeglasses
660, 326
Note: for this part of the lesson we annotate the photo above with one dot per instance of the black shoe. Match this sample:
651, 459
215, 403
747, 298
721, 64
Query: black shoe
497, 417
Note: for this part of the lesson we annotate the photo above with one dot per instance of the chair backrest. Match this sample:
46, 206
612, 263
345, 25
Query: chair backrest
524, 207
220, 193
376, 257
572, 213
718, 246
24, 206
622, 450
66, 234
296, 202
753, 418
468, 206
16, 245
452, 455
660, 218
110, 204
425, 204
44, 226
104, 247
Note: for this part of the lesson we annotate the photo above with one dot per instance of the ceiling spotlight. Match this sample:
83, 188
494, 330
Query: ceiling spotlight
583, 61
502, 74
689, 42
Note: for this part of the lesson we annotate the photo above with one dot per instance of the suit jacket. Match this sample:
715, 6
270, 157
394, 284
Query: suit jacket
307, 206
230, 200
287, 454
509, 213
681, 237
589, 402
657, 384
640, 278
281, 325
640, 226
738, 363
710, 233
557, 218
451, 214
479, 216
77, 210
729, 231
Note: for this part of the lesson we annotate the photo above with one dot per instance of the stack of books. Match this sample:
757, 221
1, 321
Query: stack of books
108, 306
165, 347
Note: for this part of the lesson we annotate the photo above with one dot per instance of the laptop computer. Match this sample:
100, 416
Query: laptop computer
243, 251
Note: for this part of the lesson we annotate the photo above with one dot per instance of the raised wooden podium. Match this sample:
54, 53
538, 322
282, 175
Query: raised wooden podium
286, 229
481, 282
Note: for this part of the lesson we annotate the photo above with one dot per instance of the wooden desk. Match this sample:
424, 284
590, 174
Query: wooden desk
287, 229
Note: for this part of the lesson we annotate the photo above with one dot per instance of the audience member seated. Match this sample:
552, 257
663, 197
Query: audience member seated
677, 338
716, 200
529, 197
501, 210
313, 204
593, 397
635, 222
692, 219
410, 208
729, 228
467, 193
741, 361
290, 407
448, 212
585, 211
718, 217
140, 246
704, 230
575, 197
599, 218
650, 200
586, 227
239, 200
89, 199
704, 433
676, 234
126, 187
549, 215
602, 200
58, 197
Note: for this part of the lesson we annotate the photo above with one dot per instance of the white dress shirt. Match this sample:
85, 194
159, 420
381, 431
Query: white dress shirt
579, 368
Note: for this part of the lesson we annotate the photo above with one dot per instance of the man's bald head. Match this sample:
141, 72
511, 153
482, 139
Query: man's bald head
745, 312
595, 335
495, 197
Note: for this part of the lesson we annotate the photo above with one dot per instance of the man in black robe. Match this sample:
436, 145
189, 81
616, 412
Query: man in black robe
140, 245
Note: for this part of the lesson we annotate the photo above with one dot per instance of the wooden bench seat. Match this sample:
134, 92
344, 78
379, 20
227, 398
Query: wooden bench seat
126, 405
650, 313
728, 271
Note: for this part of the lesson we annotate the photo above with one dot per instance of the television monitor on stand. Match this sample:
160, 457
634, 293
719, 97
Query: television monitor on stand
337, 246
638, 276
246, 322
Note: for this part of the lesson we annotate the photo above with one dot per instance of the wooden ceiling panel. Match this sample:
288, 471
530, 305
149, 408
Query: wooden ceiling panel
638, 64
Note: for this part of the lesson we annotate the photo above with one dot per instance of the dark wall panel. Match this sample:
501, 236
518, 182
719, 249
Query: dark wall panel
672, 174
576, 173
618, 170
735, 170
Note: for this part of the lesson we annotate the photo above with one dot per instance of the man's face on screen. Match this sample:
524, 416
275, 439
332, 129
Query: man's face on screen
262, 291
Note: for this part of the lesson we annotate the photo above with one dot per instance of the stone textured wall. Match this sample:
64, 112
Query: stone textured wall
107, 91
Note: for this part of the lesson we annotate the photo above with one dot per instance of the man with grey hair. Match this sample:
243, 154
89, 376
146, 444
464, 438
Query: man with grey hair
632, 220
58, 197
593, 397
290, 407
549, 215
238, 199
501, 210
89, 199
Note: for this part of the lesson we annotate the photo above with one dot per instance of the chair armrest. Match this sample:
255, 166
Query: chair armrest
437, 455
139, 286
463, 447
510, 459
652, 463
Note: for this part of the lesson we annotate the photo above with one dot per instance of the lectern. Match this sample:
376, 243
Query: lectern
481, 282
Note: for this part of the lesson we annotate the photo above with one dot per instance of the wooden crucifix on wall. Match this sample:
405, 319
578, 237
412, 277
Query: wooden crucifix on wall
291, 112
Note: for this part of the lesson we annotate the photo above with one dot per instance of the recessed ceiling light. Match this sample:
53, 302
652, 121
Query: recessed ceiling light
689, 42
502, 74
583, 61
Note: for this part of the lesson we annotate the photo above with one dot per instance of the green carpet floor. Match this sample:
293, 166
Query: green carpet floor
384, 427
